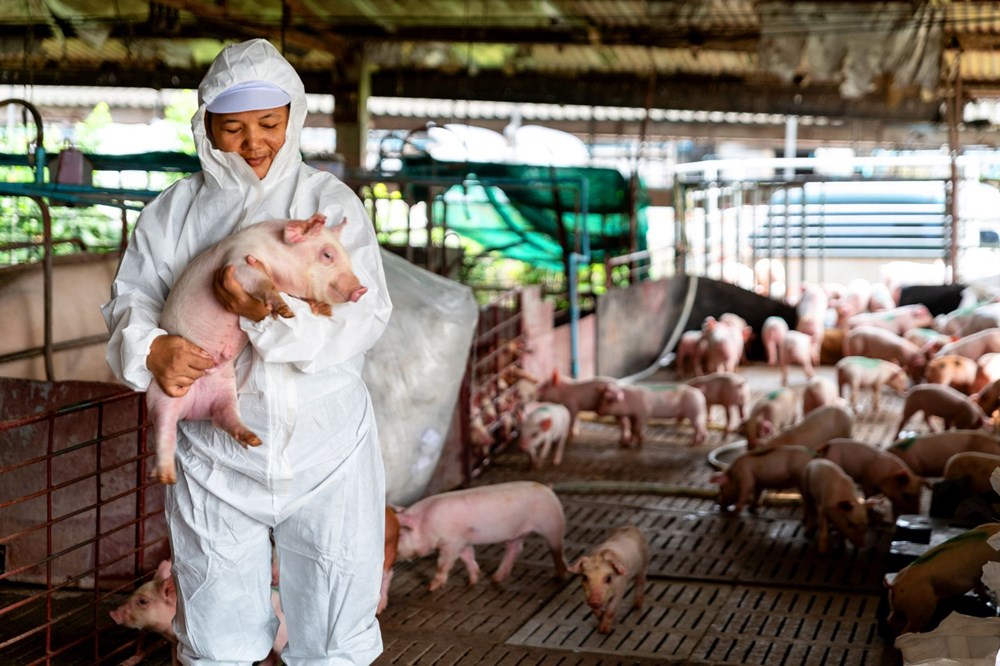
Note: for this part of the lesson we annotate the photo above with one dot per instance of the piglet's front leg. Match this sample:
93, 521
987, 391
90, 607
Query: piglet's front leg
256, 281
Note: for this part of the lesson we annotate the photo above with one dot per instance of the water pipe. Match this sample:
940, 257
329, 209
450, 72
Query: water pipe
39, 136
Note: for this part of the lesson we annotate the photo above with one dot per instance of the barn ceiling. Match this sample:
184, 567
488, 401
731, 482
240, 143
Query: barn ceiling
890, 60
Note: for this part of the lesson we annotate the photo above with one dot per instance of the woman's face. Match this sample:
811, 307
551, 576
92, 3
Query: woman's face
256, 135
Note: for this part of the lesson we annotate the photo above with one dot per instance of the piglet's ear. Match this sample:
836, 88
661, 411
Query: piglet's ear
619, 568
163, 570
339, 228
297, 231
576, 567
169, 591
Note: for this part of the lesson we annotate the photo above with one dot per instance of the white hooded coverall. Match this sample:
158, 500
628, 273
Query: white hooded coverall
318, 478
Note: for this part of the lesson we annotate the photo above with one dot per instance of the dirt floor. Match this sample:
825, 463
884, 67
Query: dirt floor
722, 589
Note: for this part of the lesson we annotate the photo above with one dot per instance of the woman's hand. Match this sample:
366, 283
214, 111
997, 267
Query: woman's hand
234, 299
177, 363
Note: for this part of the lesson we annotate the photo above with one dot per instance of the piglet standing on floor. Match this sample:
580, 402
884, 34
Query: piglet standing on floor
634, 405
576, 395
857, 372
953, 407
727, 389
452, 523
153, 605
949, 569
607, 569
796, 349
770, 414
772, 334
830, 499
545, 427
928, 455
751, 473
819, 392
302, 258
877, 471
817, 428
391, 549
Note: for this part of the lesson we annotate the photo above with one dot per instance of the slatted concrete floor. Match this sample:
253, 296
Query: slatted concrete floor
722, 589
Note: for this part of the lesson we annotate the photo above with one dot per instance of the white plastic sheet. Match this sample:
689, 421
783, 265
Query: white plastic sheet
960, 640
415, 371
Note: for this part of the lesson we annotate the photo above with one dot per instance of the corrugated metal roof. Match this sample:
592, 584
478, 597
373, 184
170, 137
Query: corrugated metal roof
99, 42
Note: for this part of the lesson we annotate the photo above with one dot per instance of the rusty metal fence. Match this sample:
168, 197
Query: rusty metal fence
80, 525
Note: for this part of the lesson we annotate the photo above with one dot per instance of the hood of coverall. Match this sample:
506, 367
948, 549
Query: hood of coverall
254, 60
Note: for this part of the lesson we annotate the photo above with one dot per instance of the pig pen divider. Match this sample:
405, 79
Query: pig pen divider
80, 525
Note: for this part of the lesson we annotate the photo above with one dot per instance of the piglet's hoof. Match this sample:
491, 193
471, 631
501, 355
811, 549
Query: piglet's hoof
247, 438
165, 473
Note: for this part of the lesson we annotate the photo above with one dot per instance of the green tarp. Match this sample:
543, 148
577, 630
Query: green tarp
517, 210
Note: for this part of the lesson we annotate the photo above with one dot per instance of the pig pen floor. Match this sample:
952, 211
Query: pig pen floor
722, 589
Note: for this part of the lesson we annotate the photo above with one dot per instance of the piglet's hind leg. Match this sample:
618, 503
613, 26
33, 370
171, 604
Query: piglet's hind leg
226, 414
164, 413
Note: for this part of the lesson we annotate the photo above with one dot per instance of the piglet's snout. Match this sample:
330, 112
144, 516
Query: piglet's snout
356, 295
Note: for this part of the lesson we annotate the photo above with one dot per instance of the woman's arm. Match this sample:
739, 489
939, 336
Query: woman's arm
139, 350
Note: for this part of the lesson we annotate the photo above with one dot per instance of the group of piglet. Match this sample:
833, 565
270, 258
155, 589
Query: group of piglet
946, 368
451, 525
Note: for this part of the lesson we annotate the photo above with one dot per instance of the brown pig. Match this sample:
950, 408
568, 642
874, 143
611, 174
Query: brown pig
927, 455
958, 372
544, 427
829, 498
954, 408
883, 344
753, 472
817, 428
855, 372
728, 389
452, 523
770, 414
877, 472
606, 570
391, 548
634, 405
977, 467
949, 569
577, 395
988, 398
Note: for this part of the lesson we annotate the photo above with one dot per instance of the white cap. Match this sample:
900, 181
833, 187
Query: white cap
249, 96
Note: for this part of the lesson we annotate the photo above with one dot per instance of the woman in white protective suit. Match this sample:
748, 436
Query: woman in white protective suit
317, 480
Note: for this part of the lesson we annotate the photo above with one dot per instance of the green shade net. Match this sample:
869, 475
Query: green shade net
517, 210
